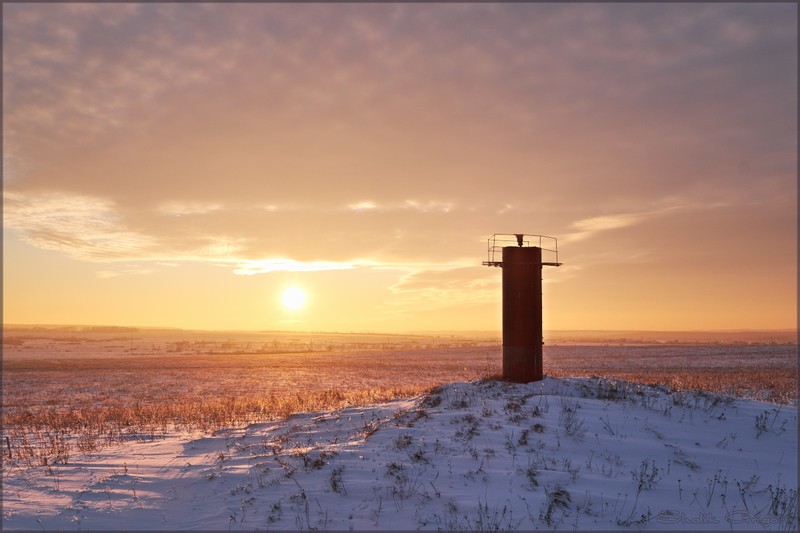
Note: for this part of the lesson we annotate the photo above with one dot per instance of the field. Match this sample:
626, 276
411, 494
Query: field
263, 431
66, 391
562, 454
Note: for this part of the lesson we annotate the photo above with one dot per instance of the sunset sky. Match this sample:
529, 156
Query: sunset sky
184, 165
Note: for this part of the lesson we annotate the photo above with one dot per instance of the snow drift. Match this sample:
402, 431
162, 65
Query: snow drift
558, 454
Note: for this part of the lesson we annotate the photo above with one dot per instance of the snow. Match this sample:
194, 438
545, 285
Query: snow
569, 454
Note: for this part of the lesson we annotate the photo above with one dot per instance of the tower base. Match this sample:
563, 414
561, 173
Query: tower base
521, 364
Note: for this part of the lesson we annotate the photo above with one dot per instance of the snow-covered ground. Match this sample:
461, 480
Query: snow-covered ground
557, 454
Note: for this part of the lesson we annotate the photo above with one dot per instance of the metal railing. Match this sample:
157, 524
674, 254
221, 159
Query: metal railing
498, 241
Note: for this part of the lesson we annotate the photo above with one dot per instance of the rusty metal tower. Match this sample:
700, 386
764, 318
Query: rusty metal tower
521, 260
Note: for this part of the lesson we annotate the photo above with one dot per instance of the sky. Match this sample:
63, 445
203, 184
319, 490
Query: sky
183, 165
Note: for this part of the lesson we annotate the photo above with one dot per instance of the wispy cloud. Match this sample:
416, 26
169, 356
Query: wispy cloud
438, 288
589, 227
125, 271
366, 205
96, 229
431, 205
82, 227
188, 208
427, 206
249, 267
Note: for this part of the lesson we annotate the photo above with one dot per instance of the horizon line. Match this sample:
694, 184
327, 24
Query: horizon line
406, 332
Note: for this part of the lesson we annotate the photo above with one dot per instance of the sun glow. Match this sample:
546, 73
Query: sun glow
293, 298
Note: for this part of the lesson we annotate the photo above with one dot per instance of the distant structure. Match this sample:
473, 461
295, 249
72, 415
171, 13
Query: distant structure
522, 299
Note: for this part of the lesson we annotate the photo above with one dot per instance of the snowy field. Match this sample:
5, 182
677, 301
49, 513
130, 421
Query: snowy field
565, 454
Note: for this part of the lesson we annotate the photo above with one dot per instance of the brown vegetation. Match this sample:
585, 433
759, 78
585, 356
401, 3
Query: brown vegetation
55, 406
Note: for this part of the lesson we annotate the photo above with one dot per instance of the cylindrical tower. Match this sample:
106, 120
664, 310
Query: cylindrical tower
522, 300
522, 314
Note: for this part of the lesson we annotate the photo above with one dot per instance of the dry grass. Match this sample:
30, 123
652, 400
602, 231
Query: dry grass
57, 406
761, 372
52, 434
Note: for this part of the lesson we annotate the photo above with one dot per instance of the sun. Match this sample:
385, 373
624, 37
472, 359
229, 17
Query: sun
293, 298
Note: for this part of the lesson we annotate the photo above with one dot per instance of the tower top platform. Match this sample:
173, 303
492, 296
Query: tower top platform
498, 241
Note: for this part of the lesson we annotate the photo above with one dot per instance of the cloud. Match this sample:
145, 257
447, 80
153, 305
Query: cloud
249, 267
431, 87
320, 134
178, 209
420, 206
362, 206
74, 76
132, 270
425, 207
438, 287
82, 227
590, 227
95, 229
247, 239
